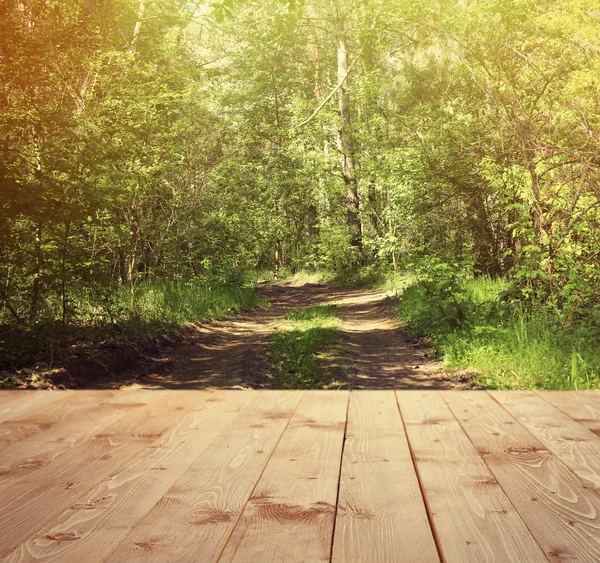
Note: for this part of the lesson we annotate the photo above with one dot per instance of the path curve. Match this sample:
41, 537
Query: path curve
230, 354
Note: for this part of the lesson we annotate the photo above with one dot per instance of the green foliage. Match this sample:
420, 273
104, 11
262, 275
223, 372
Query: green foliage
476, 324
301, 356
374, 275
170, 141
159, 307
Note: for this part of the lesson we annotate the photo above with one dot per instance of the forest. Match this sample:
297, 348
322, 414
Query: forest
159, 157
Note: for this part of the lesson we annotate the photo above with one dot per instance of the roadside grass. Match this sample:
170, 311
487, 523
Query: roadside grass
107, 318
305, 355
370, 277
171, 303
474, 327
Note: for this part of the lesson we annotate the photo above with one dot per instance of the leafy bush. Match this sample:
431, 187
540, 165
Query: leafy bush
485, 324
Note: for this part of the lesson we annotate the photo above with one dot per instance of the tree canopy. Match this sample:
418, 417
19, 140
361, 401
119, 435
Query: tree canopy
168, 139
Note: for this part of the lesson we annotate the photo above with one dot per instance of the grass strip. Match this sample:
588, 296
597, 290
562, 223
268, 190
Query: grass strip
304, 354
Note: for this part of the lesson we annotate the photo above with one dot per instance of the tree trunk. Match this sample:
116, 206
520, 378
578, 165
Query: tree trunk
536, 216
64, 270
317, 63
138, 25
121, 259
346, 141
394, 255
37, 271
277, 259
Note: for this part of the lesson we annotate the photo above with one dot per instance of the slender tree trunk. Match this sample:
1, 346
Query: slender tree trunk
138, 25
131, 265
121, 259
345, 139
5, 299
373, 200
277, 259
536, 215
317, 62
64, 270
394, 255
37, 271
37, 261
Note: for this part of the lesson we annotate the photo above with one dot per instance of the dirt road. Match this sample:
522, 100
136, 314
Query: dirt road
230, 354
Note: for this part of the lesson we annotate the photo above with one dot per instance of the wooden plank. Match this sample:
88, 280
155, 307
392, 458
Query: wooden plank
97, 522
79, 417
379, 490
582, 406
7, 395
31, 403
35, 500
290, 515
195, 518
574, 444
560, 511
29, 424
472, 517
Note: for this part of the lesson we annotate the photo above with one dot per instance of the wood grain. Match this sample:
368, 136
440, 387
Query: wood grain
7, 395
472, 516
194, 519
379, 490
255, 476
574, 444
290, 515
74, 420
582, 406
96, 523
30, 403
560, 511
65, 411
38, 498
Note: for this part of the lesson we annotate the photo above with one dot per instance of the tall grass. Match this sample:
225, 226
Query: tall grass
510, 346
370, 277
163, 302
99, 314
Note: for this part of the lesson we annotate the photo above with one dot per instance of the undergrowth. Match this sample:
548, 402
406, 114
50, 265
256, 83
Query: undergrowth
369, 277
98, 316
304, 354
479, 324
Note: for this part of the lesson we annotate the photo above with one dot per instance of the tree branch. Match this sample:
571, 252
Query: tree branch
331, 94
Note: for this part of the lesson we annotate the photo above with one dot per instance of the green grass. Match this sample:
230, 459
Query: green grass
371, 277
162, 303
304, 354
95, 316
511, 347
180, 303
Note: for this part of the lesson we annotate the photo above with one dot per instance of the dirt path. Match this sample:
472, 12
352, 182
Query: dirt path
230, 354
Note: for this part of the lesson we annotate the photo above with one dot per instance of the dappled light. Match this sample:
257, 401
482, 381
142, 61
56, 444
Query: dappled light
160, 159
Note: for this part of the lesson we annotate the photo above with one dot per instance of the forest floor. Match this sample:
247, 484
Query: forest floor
377, 351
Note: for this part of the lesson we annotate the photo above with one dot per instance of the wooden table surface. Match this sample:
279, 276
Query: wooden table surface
260, 476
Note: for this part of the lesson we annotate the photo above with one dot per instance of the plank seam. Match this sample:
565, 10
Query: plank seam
548, 447
117, 468
257, 481
183, 473
337, 495
492, 472
564, 412
434, 532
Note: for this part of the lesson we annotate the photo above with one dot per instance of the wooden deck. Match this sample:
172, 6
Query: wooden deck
264, 476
